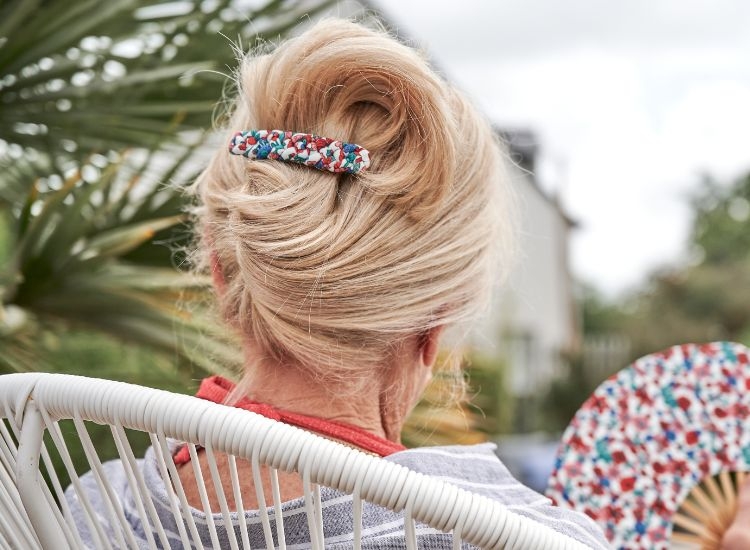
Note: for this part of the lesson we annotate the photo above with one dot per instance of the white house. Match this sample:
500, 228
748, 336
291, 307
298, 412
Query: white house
533, 318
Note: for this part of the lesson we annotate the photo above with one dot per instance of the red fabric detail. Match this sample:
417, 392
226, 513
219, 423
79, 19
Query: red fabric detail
217, 389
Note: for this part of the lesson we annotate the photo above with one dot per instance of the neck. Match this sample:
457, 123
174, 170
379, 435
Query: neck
380, 406
292, 390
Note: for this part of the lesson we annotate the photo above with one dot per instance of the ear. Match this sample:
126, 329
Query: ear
429, 344
216, 273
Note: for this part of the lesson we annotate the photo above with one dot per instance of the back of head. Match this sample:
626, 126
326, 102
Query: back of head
328, 272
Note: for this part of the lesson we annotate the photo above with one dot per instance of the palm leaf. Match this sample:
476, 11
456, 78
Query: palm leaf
19, 342
70, 264
108, 74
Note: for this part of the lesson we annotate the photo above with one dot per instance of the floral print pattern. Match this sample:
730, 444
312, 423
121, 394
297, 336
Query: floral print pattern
308, 149
649, 434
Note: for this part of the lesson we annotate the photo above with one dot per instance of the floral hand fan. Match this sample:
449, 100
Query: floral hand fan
653, 434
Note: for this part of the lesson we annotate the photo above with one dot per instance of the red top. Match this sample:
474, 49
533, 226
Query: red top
216, 389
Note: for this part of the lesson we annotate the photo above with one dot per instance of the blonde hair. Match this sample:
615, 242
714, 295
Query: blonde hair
327, 272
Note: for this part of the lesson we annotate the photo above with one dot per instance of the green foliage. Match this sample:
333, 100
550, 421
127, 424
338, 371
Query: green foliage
89, 354
600, 317
721, 227
566, 394
490, 397
76, 262
449, 415
702, 303
102, 105
4, 238
706, 300
703, 300
76, 351
107, 74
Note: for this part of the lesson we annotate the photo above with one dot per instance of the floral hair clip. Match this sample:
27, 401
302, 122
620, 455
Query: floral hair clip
308, 149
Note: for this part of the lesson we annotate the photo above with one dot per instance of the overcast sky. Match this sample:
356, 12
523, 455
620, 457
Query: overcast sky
631, 101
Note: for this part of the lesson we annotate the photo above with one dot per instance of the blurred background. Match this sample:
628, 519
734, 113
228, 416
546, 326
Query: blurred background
628, 126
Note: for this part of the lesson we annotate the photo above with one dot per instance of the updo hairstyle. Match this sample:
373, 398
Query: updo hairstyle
328, 272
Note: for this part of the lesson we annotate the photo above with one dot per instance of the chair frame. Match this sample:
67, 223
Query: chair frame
32, 403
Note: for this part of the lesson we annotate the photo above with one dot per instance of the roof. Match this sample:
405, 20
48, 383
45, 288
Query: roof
523, 148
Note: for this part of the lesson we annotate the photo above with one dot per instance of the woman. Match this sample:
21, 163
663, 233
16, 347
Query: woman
341, 283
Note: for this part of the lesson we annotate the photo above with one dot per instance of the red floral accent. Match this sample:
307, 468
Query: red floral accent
627, 484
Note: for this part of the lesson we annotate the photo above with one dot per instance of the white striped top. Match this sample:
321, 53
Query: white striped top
475, 468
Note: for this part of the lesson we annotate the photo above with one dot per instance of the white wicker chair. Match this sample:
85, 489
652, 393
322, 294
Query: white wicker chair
34, 512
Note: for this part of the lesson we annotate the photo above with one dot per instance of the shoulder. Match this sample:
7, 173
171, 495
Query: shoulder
465, 462
477, 468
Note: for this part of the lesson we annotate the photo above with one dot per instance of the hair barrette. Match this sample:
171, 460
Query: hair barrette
315, 151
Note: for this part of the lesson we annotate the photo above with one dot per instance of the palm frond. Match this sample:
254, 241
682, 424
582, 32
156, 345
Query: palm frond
108, 74
19, 341
72, 264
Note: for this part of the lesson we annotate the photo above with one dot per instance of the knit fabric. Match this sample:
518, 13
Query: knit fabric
474, 468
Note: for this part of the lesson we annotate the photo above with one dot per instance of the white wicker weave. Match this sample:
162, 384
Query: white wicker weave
33, 404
